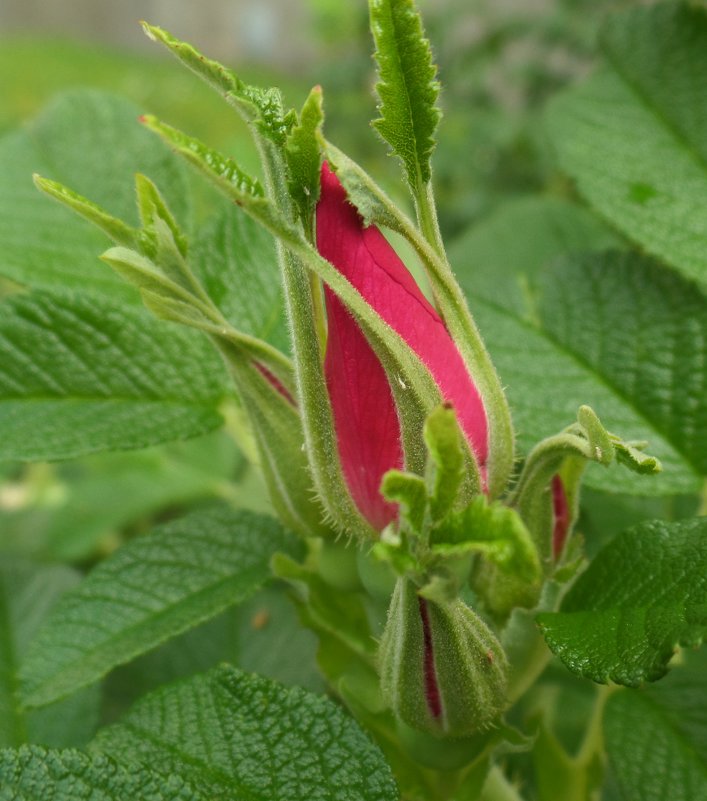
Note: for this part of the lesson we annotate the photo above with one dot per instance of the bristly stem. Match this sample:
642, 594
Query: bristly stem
426, 210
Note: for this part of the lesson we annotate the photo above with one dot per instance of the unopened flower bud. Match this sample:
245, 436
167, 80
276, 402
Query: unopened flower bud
443, 670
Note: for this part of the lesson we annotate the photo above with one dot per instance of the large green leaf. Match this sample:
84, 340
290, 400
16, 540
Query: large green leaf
657, 737
622, 334
633, 136
151, 589
35, 774
81, 374
644, 594
233, 735
93, 142
28, 592
407, 87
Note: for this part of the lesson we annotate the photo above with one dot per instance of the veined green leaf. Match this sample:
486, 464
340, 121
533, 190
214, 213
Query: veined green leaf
234, 735
93, 142
151, 589
620, 333
35, 774
81, 375
643, 595
28, 593
656, 737
304, 158
652, 187
407, 86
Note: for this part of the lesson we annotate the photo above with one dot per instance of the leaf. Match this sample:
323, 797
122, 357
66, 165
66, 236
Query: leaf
406, 87
151, 589
93, 142
654, 188
234, 735
81, 374
502, 258
643, 595
35, 774
620, 333
657, 737
28, 592
304, 158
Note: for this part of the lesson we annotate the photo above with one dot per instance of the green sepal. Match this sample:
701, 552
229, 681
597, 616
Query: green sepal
407, 86
303, 152
566, 454
443, 671
410, 491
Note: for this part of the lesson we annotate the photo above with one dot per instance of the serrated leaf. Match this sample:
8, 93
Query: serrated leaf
233, 735
35, 774
80, 375
657, 737
151, 589
407, 86
653, 188
92, 141
618, 332
643, 595
28, 593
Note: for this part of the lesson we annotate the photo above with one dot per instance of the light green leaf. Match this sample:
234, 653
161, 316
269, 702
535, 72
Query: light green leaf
233, 735
93, 142
35, 774
80, 375
501, 259
28, 592
151, 589
653, 186
304, 157
643, 595
407, 87
620, 333
657, 737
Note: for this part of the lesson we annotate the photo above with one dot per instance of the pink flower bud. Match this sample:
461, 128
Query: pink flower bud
365, 416
560, 516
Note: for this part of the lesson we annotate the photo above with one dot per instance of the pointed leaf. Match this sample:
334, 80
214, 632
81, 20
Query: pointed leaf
304, 158
624, 624
153, 588
234, 735
407, 87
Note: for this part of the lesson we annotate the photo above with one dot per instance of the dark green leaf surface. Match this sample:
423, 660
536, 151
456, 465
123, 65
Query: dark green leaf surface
151, 589
35, 774
92, 142
634, 135
28, 592
79, 374
407, 87
627, 337
657, 738
233, 735
644, 594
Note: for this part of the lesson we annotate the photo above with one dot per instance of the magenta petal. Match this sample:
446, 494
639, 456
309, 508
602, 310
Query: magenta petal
367, 260
365, 418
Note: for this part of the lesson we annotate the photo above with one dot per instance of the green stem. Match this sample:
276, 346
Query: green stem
593, 742
499, 788
427, 220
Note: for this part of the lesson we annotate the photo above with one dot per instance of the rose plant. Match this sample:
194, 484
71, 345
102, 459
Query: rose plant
482, 630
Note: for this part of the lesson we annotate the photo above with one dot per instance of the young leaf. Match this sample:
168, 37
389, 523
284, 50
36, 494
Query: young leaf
36, 774
620, 333
232, 735
82, 375
151, 589
407, 87
28, 593
657, 737
642, 596
653, 83
304, 158
93, 141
